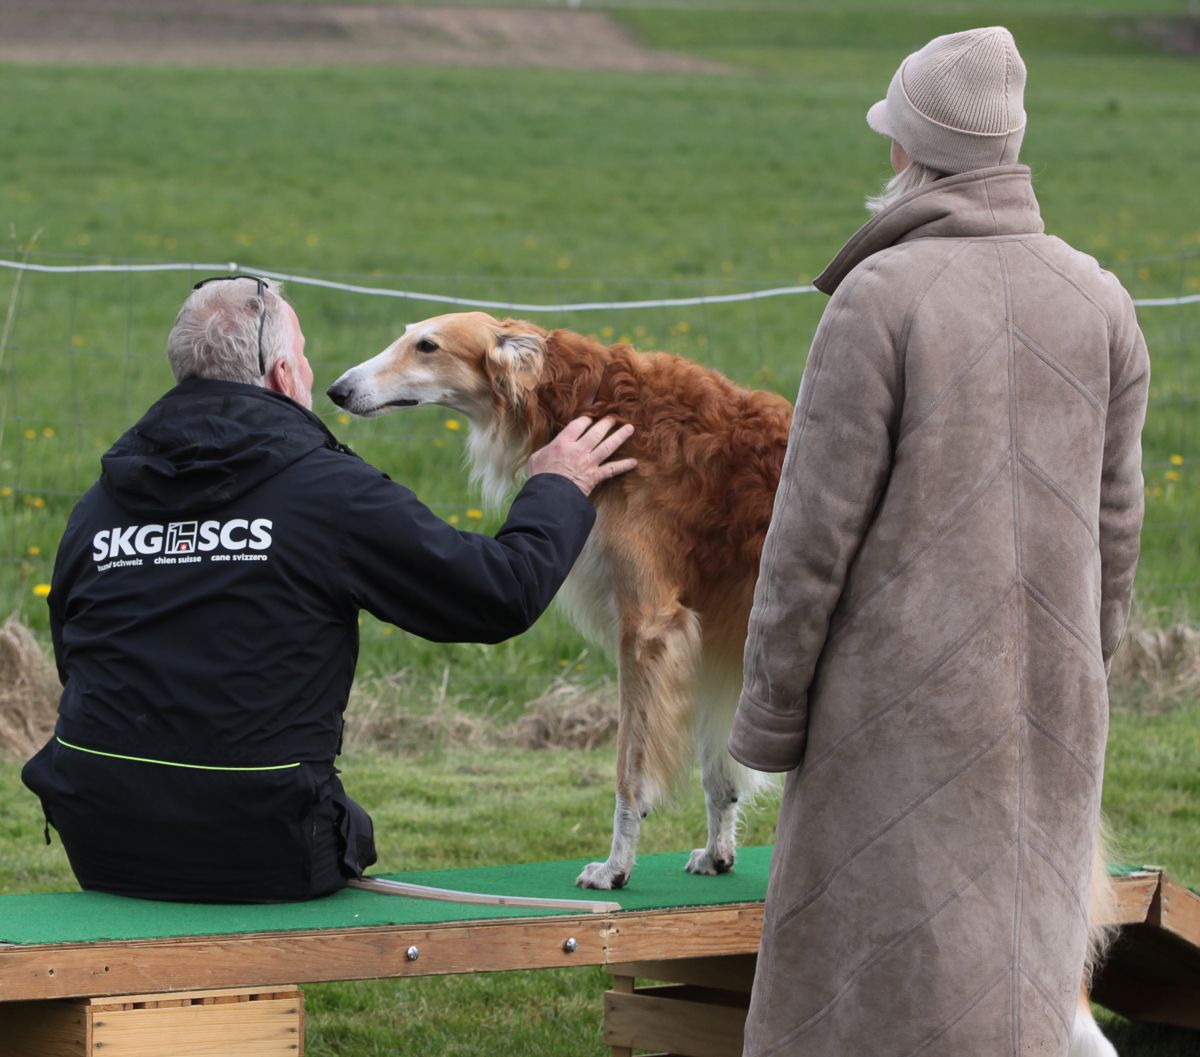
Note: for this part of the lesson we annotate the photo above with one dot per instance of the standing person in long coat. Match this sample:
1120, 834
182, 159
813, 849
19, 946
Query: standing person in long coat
946, 577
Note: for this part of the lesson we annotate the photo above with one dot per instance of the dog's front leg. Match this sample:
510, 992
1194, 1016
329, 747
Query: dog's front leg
615, 870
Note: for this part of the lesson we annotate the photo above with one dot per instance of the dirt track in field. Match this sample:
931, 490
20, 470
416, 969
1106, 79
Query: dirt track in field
229, 33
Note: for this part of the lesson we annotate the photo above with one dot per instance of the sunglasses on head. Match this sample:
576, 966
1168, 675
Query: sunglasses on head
260, 293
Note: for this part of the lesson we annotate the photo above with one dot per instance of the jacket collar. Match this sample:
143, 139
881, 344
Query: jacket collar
976, 204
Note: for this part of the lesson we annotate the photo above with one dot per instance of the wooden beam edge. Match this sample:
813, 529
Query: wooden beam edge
188, 963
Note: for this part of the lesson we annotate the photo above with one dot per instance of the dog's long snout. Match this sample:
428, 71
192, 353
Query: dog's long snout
339, 392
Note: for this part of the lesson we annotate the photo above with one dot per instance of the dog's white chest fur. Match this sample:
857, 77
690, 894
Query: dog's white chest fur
588, 598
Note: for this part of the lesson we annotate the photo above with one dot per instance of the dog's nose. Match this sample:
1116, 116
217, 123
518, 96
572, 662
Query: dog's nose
339, 392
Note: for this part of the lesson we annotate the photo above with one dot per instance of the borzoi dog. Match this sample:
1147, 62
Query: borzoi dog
666, 580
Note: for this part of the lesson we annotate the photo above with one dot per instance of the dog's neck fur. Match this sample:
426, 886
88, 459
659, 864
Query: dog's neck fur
572, 379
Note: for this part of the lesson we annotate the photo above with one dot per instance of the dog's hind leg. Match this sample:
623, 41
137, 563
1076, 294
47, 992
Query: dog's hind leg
659, 650
727, 784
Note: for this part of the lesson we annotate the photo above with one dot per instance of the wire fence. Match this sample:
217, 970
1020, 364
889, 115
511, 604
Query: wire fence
81, 357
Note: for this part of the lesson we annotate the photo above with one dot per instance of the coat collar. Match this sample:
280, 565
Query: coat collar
984, 202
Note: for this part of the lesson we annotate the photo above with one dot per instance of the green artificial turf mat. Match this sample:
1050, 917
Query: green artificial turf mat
658, 881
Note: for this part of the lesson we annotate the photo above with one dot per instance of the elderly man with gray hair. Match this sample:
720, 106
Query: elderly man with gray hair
204, 611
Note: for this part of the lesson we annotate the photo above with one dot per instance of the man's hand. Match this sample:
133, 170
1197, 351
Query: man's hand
579, 451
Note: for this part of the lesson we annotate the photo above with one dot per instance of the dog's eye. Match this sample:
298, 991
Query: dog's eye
426, 345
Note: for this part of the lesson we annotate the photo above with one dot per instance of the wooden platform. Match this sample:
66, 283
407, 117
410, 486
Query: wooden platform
706, 954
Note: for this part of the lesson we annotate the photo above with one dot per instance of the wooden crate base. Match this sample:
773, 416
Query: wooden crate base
702, 1013
225, 1023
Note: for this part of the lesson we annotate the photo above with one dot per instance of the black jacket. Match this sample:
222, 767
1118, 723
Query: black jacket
205, 598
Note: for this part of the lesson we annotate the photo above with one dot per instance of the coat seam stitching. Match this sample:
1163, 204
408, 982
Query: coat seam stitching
823, 885
1056, 489
819, 1014
1060, 617
1071, 282
1021, 710
925, 676
919, 298
1079, 907
1062, 743
1051, 1005
961, 374
1060, 369
964, 1012
943, 529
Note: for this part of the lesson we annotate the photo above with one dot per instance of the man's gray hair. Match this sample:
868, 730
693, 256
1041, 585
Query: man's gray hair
908, 179
216, 332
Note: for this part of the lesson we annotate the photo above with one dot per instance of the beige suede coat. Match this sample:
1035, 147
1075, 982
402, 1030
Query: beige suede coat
946, 577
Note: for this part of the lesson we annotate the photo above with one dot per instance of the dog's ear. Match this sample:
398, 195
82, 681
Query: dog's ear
520, 354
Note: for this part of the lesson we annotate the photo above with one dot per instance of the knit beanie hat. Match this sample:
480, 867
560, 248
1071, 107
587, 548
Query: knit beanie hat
957, 104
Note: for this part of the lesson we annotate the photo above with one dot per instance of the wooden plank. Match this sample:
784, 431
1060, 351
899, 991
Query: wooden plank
704, 932
1135, 898
681, 1020
208, 997
261, 959
1179, 911
734, 972
47, 1029
269, 1028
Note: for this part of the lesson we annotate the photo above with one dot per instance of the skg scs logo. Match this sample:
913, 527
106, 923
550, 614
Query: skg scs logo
183, 542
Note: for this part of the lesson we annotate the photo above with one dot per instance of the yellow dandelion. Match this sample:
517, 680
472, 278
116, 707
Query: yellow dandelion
30, 434
580, 667
1172, 475
34, 551
343, 420
388, 629
35, 501
78, 341
475, 515
47, 432
1176, 460
624, 339
360, 622
453, 425
1143, 273
5, 492
453, 519
727, 267
563, 662
606, 332
683, 326
564, 262
41, 590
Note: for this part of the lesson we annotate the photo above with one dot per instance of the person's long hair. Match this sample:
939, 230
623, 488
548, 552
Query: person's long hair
911, 177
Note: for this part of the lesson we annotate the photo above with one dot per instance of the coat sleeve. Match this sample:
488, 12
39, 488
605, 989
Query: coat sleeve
838, 460
1122, 492
409, 567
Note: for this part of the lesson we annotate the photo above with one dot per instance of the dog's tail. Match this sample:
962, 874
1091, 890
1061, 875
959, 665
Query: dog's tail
1087, 1040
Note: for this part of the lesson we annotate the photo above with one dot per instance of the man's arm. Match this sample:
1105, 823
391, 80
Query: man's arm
407, 566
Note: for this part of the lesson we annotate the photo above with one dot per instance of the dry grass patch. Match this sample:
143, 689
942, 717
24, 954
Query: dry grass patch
29, 691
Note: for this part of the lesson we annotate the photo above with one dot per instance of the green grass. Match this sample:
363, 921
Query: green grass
453, 808
546, 186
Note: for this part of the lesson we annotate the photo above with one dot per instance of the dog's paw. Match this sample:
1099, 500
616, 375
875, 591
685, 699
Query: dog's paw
703, 861
601, 875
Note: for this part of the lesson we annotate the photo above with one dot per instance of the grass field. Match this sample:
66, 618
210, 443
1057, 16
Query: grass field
551, 186
545, 186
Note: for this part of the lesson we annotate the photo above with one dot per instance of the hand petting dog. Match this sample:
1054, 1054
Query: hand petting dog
579, 451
